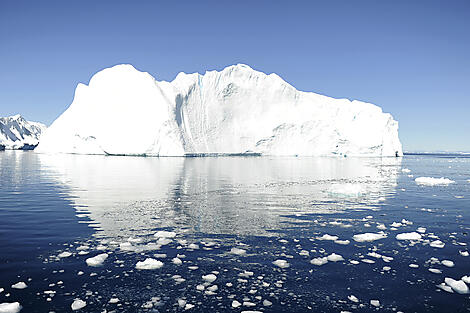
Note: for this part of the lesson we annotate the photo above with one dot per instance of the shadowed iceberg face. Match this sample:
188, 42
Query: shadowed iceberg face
125, 196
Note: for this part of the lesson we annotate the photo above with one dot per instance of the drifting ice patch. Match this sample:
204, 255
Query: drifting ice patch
281, 263
6, 307
457, 285
97, 260
431, 181
78, 304
409, 236
367, 237
19, 285
149, 264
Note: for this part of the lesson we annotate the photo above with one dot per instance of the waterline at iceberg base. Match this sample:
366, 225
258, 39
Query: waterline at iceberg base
235, 111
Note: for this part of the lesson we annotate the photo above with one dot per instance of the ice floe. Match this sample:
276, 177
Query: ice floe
409, 236
97, 260
431, 181
13, 307
367, 237
19, 285
78, 304
281, 263
458, 286
149, 264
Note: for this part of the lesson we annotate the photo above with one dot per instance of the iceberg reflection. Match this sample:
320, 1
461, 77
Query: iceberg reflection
129, 196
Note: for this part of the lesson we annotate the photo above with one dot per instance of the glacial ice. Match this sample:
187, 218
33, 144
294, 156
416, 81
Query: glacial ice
238, 110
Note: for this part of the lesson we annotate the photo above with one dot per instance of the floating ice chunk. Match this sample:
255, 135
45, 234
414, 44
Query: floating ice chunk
246, 274
335, 257
213, 288
409, 236
193, 246
458, 286
64, 254
149, 264
78, 304
444, 287
267, 303
463, 253
177, 261
281, 263
431, 181
19, 285
354, 262
113, 300
421, 230
386, 268
413, 265
374, 255
164, 234
236, 304
447, 263
163, 241
237, 251
97, 260
368, 261
437, 244
200, 287
367, 237
328, 237
466, 279
209, 278
396, 224
381, 226
248, 304
342, 242
189, 306
375, 303
406, 170
319, 261
353, 298
13, 307
435, 270
126, 246
304, 253
2, 290
181, 303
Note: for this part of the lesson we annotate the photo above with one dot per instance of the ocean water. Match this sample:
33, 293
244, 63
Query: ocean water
254, 223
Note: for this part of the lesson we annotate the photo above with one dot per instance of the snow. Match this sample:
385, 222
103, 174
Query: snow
16, 132
236, 110
97, 260
281, 263
6, 307
409, 236
431, 181
19, 285
149, 264
367, 237
78, 304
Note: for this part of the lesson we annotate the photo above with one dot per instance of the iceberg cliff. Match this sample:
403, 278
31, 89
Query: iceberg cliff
237, 110
18, 133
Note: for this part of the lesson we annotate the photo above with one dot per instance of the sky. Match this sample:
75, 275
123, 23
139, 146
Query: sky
412, 58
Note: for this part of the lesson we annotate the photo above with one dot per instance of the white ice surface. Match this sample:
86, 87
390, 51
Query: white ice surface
13, 307
366, 237
431, 181
149, 264
78, 304
97, 260
236, 110
409, 236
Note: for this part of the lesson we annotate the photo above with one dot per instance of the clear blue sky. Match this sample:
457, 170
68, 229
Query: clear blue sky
412, 58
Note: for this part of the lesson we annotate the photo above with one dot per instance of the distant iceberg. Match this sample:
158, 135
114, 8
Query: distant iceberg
235, 111
18, 133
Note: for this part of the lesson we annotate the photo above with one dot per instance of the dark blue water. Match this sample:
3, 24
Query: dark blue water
271, 208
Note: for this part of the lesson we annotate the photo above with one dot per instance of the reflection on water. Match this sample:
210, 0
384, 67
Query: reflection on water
126, 196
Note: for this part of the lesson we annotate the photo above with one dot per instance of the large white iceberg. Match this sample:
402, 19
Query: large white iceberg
238, 110
18, 133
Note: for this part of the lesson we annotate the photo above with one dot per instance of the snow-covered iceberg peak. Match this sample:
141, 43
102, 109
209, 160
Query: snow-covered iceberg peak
236, 110
18, 133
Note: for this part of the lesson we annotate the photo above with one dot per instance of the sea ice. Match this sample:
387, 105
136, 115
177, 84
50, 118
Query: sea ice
409, 236
375, 303
431, 181
367, 237
19, 285
165, 234
149, 264
447, 263
13, 307
281, 263
237, 251
335, 257
327, 237
319, 261
97, 260
437, 244
78, 304
209, 278
353, 298
457, 285
64, 254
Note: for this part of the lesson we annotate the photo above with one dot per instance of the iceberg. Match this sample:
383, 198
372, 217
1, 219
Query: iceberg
18, 133
123, 111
